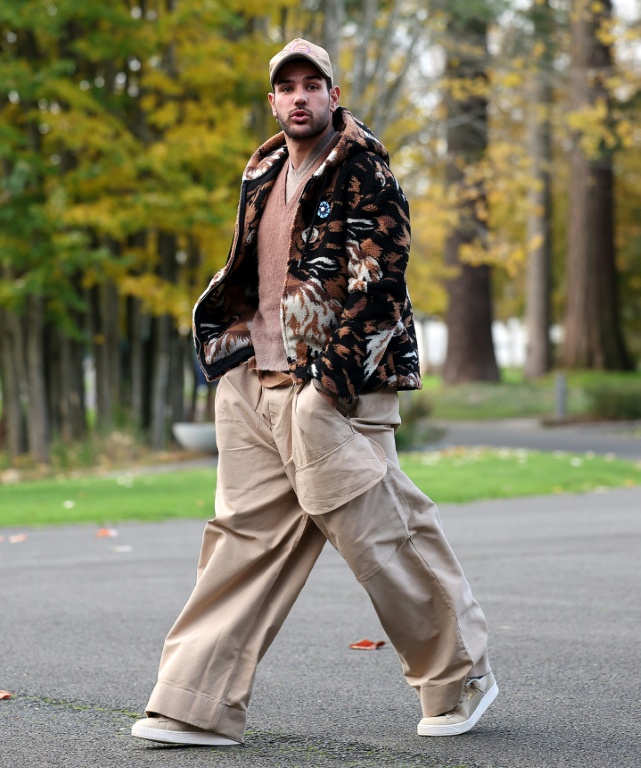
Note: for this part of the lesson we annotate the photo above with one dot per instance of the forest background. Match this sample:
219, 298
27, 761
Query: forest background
125, 125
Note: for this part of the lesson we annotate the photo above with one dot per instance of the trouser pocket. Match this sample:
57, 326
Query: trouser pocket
333, 462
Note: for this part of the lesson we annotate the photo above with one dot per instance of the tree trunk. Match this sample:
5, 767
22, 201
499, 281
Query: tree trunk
179, 347
65, 386
470, 349
138, 331
161, 344
53, 368
333, 19
106, 343
366, 34
538, 319
37, 417
76, 379
11, 351
383, 32
593, 337
161, 357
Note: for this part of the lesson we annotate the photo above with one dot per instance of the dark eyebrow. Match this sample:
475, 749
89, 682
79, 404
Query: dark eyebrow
307, 77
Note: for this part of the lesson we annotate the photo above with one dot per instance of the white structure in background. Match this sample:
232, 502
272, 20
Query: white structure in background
509, 342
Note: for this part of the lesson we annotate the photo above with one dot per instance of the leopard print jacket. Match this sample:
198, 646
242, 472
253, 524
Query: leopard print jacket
346, 315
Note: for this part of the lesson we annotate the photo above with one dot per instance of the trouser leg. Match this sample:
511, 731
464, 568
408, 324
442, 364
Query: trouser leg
392, 539
255, 558
394, 544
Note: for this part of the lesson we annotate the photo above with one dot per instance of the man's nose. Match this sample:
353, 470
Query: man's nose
300, 97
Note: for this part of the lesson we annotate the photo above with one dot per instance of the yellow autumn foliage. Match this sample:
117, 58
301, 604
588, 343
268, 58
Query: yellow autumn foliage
149, 131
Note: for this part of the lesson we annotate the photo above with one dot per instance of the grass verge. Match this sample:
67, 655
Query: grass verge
453, 476
461, 475
516, 397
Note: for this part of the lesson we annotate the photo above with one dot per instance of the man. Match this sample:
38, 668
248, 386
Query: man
309, 328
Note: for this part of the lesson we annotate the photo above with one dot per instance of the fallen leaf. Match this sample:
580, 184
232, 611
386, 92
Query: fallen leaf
367, 645
5, 695
106, 533
18, 538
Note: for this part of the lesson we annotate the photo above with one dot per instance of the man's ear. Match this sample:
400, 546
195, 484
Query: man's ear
271, 97
334, 97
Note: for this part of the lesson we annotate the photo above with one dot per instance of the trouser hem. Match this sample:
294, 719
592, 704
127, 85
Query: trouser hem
439, 699
199, 710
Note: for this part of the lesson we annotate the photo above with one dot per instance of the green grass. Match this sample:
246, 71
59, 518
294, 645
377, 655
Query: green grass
103, 501
456, 475
460, 475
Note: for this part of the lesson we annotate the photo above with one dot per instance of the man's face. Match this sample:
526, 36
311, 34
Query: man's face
301, 101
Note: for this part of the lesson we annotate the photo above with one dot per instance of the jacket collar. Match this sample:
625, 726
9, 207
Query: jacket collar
355, 138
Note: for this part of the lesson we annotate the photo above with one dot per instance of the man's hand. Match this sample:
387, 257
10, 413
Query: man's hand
331, 399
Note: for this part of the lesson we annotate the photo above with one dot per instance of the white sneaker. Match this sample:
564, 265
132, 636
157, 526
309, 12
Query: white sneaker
477, 696
169, 731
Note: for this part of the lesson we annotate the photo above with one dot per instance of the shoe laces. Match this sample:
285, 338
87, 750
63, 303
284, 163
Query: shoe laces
471, 688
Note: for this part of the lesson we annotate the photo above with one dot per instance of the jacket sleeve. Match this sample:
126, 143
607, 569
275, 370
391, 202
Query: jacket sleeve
377, 248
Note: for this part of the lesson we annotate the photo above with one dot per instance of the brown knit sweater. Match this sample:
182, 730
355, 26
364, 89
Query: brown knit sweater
273, 246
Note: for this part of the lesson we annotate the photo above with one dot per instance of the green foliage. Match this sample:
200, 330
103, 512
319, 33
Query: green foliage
615, 400
119, 128
115, 125
415, 429
124, 130
502, 400
517, 398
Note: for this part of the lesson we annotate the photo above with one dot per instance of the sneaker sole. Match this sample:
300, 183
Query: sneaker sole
190, 738
467, 725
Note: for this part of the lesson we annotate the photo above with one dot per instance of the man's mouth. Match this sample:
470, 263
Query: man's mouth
299, 115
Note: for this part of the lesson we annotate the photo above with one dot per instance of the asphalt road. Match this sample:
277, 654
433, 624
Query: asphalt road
82, 621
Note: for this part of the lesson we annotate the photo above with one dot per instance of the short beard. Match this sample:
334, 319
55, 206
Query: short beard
309, 131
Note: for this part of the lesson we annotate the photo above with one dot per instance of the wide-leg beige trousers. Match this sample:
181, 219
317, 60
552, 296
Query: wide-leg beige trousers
294, 472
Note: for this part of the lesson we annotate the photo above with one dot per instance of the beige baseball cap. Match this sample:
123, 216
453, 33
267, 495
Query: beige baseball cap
301, 49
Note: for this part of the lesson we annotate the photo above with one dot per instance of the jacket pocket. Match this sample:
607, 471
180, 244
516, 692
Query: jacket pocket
333, 462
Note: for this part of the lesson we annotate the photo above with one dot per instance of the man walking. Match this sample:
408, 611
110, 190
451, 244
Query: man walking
309, 328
